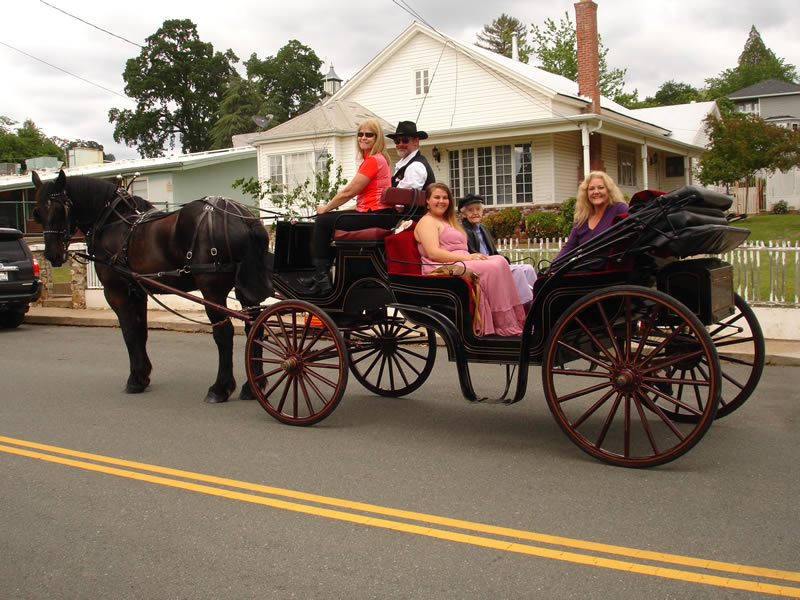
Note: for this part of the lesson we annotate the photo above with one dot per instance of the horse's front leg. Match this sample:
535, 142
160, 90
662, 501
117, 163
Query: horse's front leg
131, 310
222, 330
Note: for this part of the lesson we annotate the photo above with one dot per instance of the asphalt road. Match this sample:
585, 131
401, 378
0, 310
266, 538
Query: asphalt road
457, 500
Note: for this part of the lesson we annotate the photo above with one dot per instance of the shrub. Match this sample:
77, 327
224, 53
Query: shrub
543, 225
567, 215
780, 208
501, 224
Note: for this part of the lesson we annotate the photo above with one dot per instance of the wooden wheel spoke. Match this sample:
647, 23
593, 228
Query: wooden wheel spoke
583, 392
583, 354
592, 409
645, 423
399, 368
596, 342
663, 416
607, 424
675, 401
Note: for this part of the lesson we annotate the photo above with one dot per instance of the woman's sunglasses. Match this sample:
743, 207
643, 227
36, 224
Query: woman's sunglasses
368, 134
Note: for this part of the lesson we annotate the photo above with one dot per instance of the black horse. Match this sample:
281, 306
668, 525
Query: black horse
212, 245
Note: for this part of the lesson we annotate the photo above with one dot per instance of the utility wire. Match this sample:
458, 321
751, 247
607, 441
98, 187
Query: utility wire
91, 24
64, 70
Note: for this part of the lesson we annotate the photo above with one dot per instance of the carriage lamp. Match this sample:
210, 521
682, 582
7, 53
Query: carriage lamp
437, 156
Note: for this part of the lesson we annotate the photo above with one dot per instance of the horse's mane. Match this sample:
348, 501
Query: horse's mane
98, 190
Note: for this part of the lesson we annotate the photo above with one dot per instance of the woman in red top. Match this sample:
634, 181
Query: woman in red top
372, 178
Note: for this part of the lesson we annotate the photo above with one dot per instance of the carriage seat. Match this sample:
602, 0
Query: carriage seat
403, 259
406, 203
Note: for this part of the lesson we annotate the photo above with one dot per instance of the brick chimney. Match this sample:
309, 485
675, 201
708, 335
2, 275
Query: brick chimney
588, 52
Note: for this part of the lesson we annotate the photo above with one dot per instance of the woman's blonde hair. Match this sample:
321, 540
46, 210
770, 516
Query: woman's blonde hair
450, 212
583, 208
380, 140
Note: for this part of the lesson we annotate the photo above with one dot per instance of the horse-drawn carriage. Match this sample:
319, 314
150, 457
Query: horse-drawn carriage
636, 345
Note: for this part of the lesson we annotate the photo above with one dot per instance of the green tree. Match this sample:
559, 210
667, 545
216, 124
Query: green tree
22, 143
177, 81
756, 63
555, 45
673, 92
744, 145
291, 81
240, 103
498, 35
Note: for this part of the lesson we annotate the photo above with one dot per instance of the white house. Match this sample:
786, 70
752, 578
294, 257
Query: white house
511, 132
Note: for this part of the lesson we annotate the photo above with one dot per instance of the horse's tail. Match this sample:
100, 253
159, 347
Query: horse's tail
254, 269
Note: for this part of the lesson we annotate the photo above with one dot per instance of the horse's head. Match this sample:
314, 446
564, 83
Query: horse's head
54, 212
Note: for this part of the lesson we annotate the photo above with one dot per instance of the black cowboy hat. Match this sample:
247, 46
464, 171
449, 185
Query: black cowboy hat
408, 129
469, 199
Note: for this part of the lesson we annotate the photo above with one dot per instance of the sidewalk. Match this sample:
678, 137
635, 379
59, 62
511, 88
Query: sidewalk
779, 352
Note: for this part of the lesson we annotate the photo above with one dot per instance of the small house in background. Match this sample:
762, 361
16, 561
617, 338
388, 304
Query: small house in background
167, 182
776, 102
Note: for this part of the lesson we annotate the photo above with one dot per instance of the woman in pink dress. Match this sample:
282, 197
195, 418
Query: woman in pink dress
440, 239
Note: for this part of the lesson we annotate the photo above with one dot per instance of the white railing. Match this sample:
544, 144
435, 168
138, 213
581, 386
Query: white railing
764, 273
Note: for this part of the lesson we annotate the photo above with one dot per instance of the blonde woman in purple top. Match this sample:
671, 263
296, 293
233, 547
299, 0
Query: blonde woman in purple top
599, 200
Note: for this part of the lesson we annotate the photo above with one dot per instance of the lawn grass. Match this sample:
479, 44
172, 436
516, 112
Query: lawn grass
765, 228
61, 274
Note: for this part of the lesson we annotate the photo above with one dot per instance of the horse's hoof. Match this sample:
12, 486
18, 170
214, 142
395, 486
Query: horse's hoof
246, 393
213, 398
135, 388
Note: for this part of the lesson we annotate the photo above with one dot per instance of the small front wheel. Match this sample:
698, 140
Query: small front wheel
391, 356
297, 362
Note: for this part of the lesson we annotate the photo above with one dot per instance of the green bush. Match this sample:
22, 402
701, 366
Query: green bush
502, 224
780, 208
543, 225
567, 215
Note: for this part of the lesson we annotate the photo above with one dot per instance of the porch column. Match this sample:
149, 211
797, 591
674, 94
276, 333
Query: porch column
586, 153
645, 174
687, 170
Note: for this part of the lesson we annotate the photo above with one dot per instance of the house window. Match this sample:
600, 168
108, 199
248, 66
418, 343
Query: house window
674, 166
485, 174
523, 172
454, 169
276, 169
422, 82
626, 166
502, 175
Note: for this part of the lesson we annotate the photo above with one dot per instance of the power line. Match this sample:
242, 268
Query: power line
64, 70
91, 24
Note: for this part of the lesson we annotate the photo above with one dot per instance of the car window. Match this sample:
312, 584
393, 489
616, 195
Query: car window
11, 250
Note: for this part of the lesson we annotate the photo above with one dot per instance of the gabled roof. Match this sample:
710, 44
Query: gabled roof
538, 79
685, 121
768, 87
335, 116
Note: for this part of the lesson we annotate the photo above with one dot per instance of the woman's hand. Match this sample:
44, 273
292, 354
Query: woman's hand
322, 209
478, 256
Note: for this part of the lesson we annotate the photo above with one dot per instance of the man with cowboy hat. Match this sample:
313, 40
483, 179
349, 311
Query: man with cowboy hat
480, 240
412, 170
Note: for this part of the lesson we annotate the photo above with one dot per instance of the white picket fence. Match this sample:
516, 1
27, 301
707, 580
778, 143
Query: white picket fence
764, 273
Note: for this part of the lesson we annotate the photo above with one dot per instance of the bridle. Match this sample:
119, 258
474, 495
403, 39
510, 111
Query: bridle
64, 200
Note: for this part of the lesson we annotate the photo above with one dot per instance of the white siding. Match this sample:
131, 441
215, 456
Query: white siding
462, 93
568, 153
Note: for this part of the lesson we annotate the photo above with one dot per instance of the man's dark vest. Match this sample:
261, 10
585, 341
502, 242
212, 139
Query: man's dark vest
417, 158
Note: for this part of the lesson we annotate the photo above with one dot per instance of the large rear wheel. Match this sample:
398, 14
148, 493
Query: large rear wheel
740, 346
601, 365
296, 362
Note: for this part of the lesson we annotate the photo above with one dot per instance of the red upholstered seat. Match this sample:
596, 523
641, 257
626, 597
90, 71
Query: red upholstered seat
370, 233
402, 256
405, 202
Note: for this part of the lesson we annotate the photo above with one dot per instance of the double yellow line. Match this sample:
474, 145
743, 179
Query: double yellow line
432, 525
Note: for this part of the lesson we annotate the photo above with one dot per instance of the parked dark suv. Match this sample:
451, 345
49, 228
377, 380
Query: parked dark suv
19, 278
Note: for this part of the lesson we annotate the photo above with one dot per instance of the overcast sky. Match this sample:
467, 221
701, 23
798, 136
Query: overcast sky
684, 40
